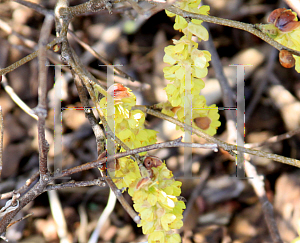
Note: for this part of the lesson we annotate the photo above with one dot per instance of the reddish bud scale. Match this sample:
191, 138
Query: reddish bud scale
275, 14
118, 91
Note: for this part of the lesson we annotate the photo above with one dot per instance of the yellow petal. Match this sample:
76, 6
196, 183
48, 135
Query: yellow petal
156, 236
198, 30
167, 219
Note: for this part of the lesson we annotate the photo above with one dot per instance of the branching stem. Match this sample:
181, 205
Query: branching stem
234, 24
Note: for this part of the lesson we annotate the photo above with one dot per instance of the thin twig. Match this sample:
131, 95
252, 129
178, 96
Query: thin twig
73, 184
41, 109
250, 169
97, 163
221, 144
38, 188
25, 217
27, 58
61, 22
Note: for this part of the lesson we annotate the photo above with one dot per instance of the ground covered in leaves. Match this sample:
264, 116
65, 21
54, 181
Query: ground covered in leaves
223, 208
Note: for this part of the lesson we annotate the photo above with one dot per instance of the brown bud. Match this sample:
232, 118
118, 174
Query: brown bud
152, 161
118, 91
286, 21
275, 14
202, 122
286, 59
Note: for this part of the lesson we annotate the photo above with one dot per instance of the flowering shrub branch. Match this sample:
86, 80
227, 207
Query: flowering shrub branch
147, 179
234, 24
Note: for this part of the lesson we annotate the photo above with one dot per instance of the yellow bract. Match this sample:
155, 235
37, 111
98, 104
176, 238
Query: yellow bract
157, 236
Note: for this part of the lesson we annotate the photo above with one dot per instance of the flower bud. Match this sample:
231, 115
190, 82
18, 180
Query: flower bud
286, 59
152, 161
118, 91
275, 14
285, 20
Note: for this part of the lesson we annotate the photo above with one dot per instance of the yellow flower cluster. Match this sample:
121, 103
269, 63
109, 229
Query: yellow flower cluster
129, 128
160, 210
185, 59
153, 190
129, 124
